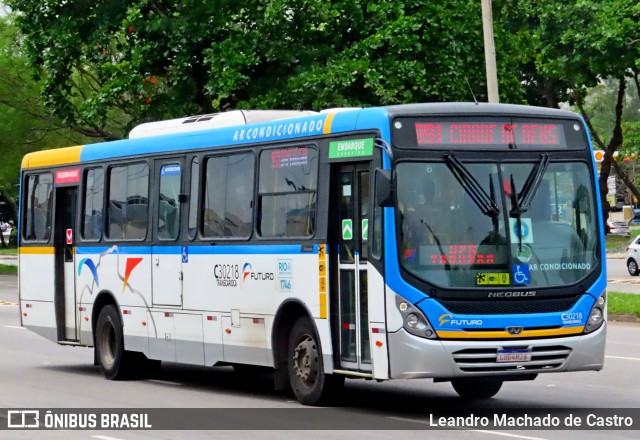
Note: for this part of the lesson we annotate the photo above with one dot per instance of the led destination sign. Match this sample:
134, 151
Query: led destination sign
491, 133
508, 133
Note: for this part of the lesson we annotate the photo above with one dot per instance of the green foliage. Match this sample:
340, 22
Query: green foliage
624, 303
5, 269
110, 64
25, 124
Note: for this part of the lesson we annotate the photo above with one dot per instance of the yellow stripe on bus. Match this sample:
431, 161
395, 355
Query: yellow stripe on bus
37, 250
507, 335
47, 158
323, 306
327, 123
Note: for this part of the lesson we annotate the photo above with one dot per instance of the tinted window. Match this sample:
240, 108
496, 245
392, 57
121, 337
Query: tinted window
168, 205
194, 197
228, 203
128, 202
93, 204
288, 179
37, 221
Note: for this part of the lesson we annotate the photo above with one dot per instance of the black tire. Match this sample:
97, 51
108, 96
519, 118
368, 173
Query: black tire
309, 383
477, 388
114, 361
632, 267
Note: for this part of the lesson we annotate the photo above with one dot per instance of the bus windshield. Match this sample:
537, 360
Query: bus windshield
524, 224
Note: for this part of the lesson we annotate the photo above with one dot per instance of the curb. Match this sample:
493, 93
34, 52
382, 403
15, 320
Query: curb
624, 318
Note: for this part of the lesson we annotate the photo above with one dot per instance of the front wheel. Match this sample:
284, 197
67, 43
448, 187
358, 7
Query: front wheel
632, 267
308, 380
477, 388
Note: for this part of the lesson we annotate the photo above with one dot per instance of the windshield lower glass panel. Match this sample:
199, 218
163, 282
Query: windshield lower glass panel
450, 237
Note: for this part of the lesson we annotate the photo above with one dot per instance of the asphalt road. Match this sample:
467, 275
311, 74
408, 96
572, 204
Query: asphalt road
35, 373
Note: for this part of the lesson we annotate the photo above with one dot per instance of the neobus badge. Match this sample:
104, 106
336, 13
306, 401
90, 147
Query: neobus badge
68, 176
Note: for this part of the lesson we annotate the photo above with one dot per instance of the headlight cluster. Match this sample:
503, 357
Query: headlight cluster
596, 317
413, 320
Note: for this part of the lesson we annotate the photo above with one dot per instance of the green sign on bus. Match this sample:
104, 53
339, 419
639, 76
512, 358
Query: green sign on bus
350, 148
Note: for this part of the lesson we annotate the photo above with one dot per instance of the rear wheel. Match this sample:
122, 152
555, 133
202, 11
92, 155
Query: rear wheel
477, 388
114, 361
632, 266
309, 382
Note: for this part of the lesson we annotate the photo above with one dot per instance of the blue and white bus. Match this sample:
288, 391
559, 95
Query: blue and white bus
454, 241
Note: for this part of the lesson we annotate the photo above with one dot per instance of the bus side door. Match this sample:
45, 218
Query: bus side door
64, 239
351, 202
166, 253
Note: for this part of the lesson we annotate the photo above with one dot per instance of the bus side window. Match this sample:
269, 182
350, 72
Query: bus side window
194, 199
168, 220
37, 221
93, 201
287, 192
128, 201
228, 198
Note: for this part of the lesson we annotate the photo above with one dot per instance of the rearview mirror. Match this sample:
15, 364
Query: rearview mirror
383, 191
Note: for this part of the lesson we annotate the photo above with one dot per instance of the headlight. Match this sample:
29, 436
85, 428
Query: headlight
413, 320
596, 316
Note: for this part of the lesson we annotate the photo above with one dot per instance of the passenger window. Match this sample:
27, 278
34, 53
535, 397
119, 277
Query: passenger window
168, 220
37, 221
93, 204
128, 202
228, 203
194, 196
287, 192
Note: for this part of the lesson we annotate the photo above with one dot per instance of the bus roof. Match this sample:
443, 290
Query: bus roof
278, 129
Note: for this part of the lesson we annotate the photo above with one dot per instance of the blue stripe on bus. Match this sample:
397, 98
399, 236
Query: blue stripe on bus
217, 137
343, 121
276, 249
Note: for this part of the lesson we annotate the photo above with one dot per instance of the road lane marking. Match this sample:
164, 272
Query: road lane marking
505, 434
483, 431
624, 358
15, 326
104, 437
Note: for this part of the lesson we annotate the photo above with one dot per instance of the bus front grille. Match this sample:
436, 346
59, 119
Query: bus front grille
484, 360
509, 307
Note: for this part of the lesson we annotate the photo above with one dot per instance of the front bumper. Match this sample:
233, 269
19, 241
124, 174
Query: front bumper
415, 357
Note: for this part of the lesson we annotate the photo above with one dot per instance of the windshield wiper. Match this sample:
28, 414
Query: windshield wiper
486, 203
520, 203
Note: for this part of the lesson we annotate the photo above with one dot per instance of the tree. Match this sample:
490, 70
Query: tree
582, 43
25, 124
110, 64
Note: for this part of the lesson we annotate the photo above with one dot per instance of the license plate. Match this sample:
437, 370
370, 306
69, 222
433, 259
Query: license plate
514, 355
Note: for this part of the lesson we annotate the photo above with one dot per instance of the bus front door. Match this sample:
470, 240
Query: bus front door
352, 227
65, 289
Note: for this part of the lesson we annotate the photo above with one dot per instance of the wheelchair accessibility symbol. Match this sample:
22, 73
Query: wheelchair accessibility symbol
521, 275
